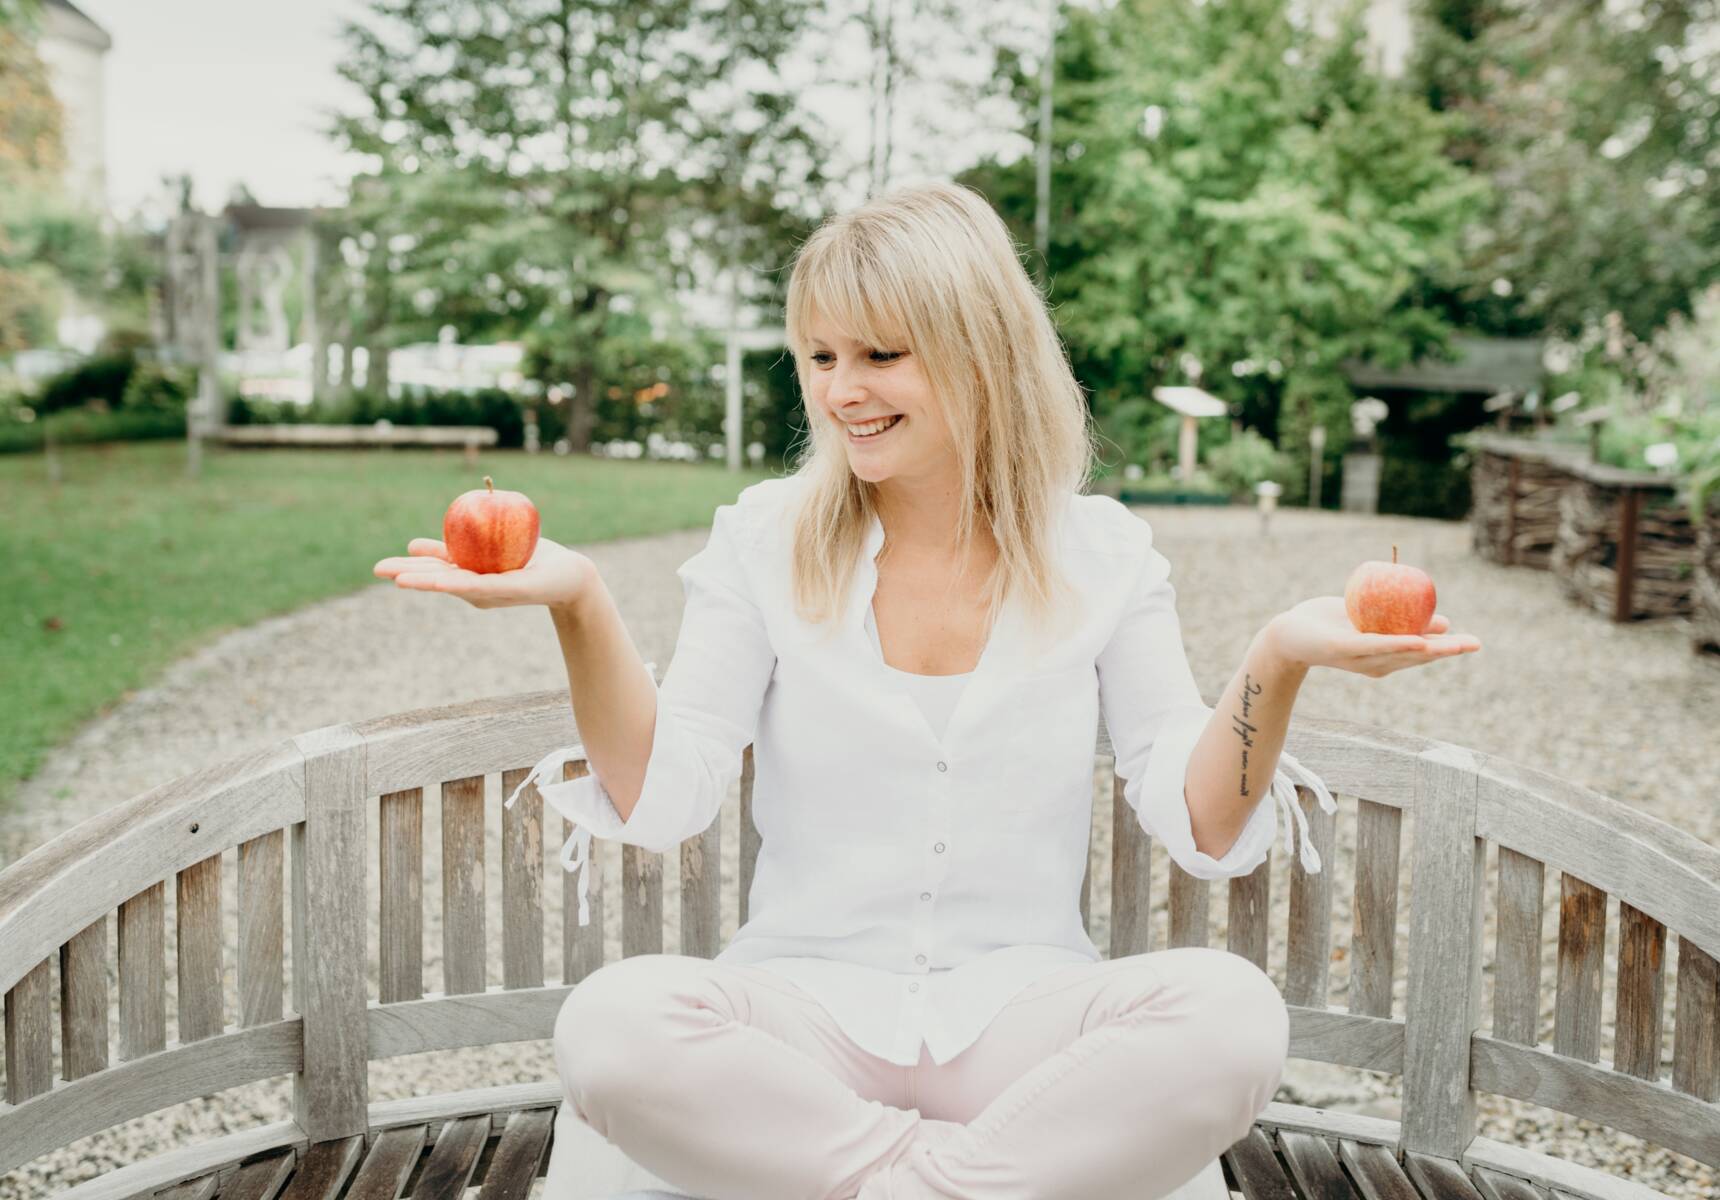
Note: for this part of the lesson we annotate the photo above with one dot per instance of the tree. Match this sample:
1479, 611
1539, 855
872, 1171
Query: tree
1599, 127
539, 165
45, 245
1238, 202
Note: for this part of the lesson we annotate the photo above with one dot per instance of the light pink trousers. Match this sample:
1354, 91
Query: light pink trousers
1101, 1081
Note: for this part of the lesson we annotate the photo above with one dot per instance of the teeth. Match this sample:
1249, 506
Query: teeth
873, 427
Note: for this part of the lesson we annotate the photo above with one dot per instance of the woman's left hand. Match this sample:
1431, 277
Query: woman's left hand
1318, 633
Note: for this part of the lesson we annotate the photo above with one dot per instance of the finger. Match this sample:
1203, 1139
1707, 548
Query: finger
388, 568
428, 547
1438, 624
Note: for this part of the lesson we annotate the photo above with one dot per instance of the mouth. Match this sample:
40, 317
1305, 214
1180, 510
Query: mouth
863, 438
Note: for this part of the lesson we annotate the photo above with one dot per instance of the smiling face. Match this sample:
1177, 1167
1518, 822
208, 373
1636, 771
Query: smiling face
854, 386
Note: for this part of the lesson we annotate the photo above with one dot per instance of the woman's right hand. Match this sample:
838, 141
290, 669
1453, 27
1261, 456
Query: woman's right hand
555, 575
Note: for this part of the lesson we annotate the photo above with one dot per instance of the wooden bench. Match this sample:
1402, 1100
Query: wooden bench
381, 434
346, 1007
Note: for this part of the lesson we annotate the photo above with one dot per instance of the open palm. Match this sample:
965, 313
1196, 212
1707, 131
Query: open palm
1318, 633
554, 575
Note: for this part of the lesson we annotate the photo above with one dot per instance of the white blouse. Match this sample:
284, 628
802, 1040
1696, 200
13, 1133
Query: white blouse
914, 878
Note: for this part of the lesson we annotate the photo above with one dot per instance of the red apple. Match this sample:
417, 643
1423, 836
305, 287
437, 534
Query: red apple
487, 531
1393, 597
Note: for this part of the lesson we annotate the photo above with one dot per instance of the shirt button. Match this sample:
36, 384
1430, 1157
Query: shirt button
913, 987
939, 847
943, 767
925, 895
920, 958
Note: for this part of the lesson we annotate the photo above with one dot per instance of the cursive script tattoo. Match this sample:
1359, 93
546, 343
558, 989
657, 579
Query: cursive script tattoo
1242, 726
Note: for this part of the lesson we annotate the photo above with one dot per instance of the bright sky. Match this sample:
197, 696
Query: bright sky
240, 91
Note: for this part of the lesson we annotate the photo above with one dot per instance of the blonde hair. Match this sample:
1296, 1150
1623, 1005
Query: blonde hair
932, 269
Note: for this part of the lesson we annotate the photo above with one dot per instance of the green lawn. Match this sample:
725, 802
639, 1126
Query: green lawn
128, 565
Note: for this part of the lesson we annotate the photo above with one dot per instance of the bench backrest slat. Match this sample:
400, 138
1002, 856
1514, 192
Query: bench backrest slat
262, 928
400, 867
1373, 940
1308, 964
1517, 950
463, 941
197, 915
522, 889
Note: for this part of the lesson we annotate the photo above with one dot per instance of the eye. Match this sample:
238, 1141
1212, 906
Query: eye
823, 357
887, 355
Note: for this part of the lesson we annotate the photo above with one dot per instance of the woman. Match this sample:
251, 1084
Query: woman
918, 631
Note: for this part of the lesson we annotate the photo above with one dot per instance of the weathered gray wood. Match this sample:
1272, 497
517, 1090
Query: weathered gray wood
260, 1180
463, 946
1131, 877
101, 862
1582, 951
30, 1034
456, 741
449, 1022
197, 916
355, 435
1189, 901
641, 901
581, 945
1443, 1000
1373, 942
1314, 1167
1438, 1178
84, 1002
196, 1189
1517, 950
1572, 1180
324, 1169
331, 1090
1658, 868
171, 1167
1696, 1024
750, 840
1641, 994
1308, 965
1256, 1167
448, 1170
1250, 909
1351, 1040
522, 885
1376, 1170
1649, 1110
701, 892
1495, 1185
262, 928
389, 1163
183, 1072
400, 869
519, 1157
143, 973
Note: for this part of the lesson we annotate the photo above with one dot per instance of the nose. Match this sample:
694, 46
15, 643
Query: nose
844, 390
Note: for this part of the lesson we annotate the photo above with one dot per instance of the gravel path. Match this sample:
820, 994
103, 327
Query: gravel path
1628, 711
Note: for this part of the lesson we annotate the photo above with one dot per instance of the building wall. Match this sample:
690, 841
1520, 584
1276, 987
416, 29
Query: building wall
73, 48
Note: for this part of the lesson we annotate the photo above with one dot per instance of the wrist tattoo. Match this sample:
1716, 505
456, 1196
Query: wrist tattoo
1241, 724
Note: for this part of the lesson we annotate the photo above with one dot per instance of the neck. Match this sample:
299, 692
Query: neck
920, 519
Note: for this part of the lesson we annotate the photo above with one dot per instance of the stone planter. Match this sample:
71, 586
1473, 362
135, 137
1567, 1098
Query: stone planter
1129, 495
1516, 484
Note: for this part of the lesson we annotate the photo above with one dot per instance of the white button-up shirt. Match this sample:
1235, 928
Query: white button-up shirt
912, 882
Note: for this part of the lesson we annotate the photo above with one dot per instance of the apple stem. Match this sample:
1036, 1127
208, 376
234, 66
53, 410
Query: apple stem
1394, 548
492, 487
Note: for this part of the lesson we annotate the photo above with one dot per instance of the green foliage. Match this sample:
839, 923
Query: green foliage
557, 173
1593, 123
99, 380
80, 426
1247, 459
1240, 203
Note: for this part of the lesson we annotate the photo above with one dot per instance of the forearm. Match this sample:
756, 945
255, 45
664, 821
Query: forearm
1231, 768
614, 700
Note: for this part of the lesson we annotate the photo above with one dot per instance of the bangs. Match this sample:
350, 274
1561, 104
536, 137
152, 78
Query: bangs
839, 281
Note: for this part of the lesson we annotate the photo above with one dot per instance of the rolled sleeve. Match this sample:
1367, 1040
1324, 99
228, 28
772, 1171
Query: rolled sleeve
707, 713
1155, 716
